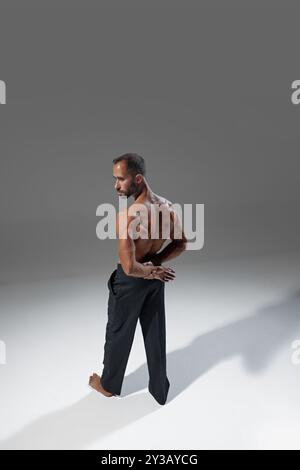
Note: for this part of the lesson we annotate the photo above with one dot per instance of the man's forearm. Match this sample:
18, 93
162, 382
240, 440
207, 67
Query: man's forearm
174, 249
140, 270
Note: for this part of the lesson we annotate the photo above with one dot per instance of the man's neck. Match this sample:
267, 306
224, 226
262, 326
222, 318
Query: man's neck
146, 194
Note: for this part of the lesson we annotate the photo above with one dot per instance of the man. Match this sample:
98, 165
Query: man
136, 287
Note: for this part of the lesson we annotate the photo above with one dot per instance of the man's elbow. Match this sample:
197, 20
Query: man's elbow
183, 247
181, 244
128, 268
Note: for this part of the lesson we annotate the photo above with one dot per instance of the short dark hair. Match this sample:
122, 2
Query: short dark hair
135, 163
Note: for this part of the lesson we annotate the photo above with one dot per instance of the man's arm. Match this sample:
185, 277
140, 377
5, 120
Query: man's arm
177, 245
126, 249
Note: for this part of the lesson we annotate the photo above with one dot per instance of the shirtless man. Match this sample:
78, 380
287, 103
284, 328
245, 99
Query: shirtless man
138, 258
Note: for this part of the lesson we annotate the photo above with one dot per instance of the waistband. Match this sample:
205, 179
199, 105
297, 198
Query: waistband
120, 270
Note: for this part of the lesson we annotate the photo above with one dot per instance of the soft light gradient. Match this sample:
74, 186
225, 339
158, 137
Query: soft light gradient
202, 90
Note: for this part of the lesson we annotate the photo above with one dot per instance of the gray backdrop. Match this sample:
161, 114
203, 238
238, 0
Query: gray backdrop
200, 89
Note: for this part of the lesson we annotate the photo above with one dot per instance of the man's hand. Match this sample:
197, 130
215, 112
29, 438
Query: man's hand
162, 273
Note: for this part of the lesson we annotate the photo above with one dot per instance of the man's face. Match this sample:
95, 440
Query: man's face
125, 184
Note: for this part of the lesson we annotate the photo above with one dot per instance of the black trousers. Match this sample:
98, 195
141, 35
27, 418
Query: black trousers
132, 298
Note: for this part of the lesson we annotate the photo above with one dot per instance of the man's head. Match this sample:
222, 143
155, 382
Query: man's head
129, 171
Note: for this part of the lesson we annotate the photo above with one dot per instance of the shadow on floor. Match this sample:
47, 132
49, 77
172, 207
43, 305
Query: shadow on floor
79, 425
256, 339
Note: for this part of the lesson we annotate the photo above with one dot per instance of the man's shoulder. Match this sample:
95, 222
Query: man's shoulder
163, 200
130, 213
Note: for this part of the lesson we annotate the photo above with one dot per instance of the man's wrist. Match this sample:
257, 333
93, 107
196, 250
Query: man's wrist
150, 271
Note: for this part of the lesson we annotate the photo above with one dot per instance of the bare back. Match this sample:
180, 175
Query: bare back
147, 247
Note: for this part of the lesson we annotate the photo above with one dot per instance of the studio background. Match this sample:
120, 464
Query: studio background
202, 90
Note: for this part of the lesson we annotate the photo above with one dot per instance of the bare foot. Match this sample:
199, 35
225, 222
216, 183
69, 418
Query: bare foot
95, 382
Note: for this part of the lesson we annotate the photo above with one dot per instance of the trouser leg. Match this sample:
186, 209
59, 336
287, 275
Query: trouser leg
123, 312
153, 324
118, 343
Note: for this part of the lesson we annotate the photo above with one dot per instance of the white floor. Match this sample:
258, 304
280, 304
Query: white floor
230, 327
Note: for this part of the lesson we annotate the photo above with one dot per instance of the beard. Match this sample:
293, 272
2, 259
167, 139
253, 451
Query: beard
133, 188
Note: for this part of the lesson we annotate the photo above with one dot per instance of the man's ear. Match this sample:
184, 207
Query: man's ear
139, 178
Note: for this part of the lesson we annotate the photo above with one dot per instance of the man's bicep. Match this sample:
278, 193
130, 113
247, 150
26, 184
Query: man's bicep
126, 249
